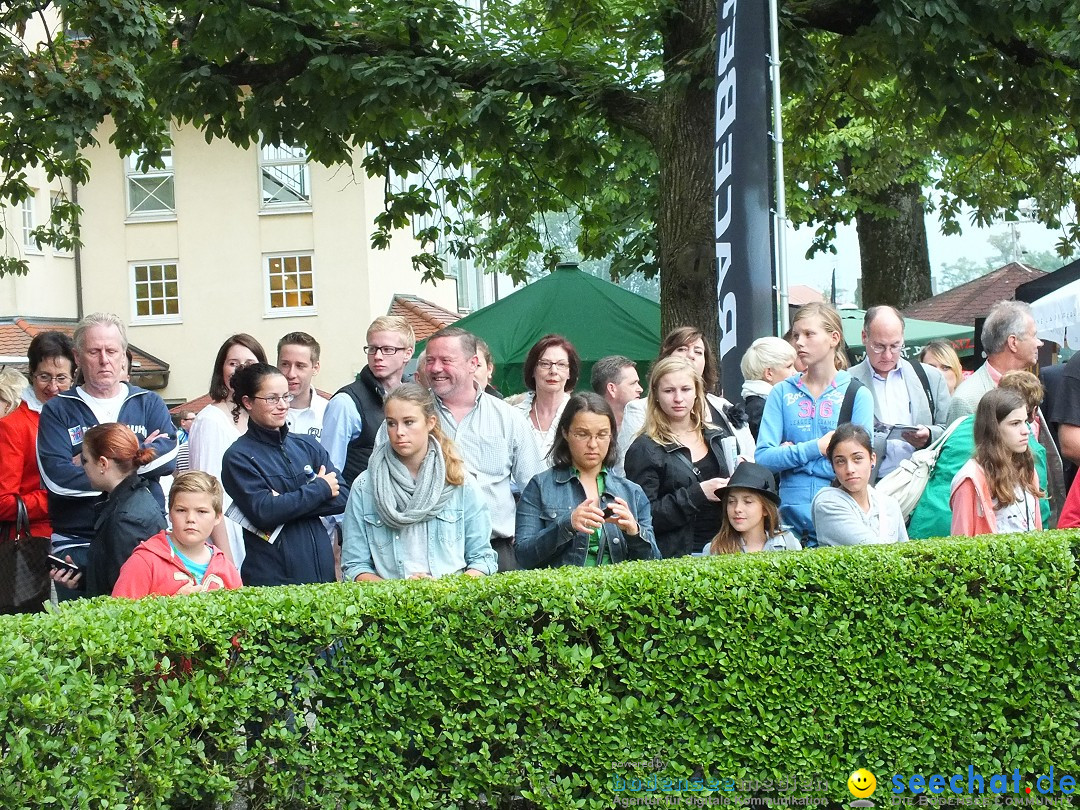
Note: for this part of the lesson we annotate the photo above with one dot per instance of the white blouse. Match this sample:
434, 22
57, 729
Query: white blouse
212, 433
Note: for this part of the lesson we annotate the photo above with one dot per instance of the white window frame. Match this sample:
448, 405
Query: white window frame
271, 290
154, 179
28, 221
284, 160
150, 265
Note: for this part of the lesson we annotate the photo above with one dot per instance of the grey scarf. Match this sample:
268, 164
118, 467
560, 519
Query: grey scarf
401, 501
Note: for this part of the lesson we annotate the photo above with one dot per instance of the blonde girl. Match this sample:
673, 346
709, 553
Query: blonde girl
802, 412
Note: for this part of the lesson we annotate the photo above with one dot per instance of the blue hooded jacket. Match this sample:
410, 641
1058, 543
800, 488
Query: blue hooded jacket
792, 415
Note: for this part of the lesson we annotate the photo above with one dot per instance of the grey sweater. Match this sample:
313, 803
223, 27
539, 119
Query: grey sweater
840, 521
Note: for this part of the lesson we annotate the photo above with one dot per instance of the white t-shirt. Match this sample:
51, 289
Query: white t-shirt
1019, 516
308, 421
106, 410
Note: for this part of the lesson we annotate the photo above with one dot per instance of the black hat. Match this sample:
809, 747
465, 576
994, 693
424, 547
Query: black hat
749, 475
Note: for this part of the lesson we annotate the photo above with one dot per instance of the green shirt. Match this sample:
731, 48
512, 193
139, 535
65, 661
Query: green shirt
594, 538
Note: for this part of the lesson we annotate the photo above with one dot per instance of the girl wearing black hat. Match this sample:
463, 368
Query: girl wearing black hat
751, 516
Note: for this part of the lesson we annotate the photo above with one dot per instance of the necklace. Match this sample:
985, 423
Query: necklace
534, 414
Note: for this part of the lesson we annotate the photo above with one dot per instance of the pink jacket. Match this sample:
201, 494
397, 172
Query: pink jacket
973, 506
154, 569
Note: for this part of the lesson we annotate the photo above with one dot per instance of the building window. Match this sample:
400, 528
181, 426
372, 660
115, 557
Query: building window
28, 224
290, 285
155, 293
284, 176
150, 192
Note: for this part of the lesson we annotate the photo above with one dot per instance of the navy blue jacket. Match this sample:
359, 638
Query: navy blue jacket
64, 420
544, 537
263, 472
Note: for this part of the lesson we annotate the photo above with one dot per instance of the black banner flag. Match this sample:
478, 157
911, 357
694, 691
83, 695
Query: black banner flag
744, 255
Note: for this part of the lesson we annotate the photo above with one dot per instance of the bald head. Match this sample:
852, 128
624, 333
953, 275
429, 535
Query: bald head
883, 337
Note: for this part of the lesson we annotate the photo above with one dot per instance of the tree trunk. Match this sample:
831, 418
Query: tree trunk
685, 227
895, 256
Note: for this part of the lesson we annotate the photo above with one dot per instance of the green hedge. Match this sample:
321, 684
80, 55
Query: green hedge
458, 693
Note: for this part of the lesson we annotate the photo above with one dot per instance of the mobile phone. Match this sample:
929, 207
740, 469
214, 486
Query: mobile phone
606, 500
63, 565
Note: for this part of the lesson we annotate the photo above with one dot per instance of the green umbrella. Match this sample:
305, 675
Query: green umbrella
598, 317
916, 335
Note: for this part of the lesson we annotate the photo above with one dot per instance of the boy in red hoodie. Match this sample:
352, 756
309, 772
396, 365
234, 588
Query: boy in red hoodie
181, 561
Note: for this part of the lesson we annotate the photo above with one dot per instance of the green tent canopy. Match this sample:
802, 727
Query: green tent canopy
916, 335
598, 317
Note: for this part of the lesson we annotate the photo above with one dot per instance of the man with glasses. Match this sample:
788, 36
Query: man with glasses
352, 419
905, 394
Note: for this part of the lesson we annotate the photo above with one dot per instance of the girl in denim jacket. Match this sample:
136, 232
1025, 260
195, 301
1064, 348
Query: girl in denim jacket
413, 514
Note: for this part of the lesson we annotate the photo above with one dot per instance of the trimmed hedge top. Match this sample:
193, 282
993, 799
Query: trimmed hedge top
915, 658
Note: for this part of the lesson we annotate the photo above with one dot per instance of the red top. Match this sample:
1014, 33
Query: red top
19, 473
154, 569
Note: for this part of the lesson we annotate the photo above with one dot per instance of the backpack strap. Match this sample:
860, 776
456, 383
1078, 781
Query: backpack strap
849, 401
920, 372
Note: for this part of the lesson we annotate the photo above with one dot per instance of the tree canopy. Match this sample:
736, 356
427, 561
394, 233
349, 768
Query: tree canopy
498, 113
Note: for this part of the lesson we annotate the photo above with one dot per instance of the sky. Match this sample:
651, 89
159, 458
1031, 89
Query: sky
972, 243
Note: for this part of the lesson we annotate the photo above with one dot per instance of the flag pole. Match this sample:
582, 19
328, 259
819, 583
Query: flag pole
780, 213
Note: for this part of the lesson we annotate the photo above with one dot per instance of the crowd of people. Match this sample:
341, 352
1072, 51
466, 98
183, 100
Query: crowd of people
391, 478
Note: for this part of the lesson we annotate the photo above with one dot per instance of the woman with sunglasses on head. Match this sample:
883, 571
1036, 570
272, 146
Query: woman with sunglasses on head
580, 512
52, 370
281, 484
220, 424
551, 372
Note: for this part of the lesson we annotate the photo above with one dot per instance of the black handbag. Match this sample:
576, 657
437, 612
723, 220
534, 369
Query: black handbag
24, 565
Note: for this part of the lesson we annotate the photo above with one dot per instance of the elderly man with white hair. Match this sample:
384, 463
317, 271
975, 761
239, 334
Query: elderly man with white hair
104, 396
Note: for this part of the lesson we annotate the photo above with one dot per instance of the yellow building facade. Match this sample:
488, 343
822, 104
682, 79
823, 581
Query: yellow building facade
218, 240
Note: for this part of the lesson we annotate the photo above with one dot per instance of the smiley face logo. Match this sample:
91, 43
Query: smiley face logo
862, 784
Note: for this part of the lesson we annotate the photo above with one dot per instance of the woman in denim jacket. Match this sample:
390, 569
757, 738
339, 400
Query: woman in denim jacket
579, 512
413, 514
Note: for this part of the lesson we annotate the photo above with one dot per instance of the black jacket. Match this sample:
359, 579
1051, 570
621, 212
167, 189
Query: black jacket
755, 407
666, 474
130, 515
269, 474
367, 395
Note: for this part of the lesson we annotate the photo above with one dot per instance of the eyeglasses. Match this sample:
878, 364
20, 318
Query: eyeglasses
585, 436
49, 379
878, 348
277, 399
387, 351
547, 365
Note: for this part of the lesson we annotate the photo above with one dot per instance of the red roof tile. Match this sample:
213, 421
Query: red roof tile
16, 334
423, 316
799, 294
963, 304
